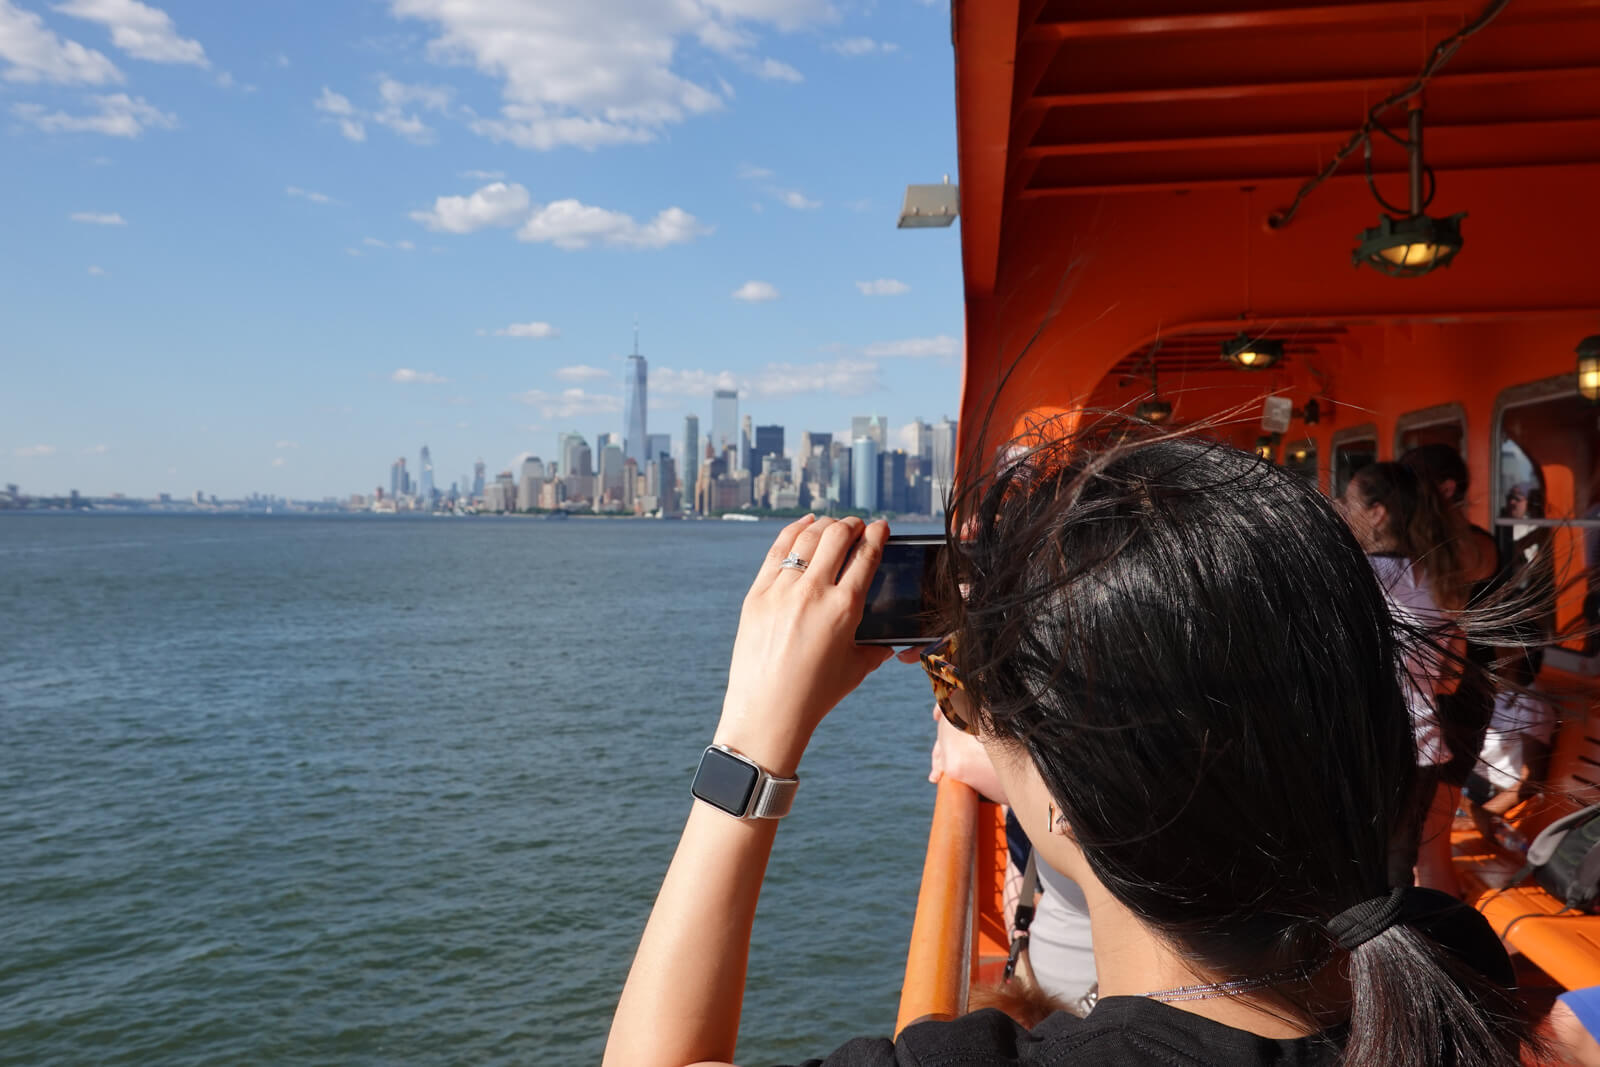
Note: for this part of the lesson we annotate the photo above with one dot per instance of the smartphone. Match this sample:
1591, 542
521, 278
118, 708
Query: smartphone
897, 610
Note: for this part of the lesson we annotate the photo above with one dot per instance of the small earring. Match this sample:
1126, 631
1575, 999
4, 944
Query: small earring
1052, 822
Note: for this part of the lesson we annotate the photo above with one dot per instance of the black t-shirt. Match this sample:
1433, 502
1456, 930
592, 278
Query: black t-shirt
1120, 1032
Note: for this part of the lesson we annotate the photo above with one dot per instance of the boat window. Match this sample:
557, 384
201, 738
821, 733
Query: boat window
1445, 424
1301, 457
1353, 449
1547, 506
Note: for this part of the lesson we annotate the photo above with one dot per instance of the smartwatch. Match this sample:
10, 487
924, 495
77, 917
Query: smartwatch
737, 785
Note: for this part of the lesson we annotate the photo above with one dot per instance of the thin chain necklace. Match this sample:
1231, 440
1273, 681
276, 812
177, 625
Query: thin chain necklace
1234, 988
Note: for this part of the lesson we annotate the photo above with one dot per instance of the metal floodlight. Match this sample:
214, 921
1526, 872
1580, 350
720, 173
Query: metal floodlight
1250, 353
928, 206
1589, 368
1409, 243
1154, 410
1410, 247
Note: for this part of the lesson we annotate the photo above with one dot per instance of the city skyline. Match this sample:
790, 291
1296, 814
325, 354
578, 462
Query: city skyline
269, 248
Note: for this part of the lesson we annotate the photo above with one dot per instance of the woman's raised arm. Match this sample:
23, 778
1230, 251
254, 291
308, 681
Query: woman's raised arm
795, 657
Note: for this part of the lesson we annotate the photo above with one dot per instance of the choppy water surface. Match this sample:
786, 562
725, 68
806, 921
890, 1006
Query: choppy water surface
366, 790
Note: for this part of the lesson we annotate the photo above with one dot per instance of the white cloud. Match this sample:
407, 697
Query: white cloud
34, 53
582, 373
569, 224
142, 31
97, 450
841, 377
883, 287
484, 175
574, 75
405, 246
795, 199
497, 204
280, 462
407, 376
750, 172
120, 116
333, 103
373, 242
571, 403
754, 292
861, 46
98, 218
281, 60
397, 94
341, 112
286, 444
307, 194
98, 272
914, 348
772, 70
34, 451
528, 329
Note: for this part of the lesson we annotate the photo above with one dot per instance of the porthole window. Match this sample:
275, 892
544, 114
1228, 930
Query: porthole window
1353, 448
1546, 509
1301, 457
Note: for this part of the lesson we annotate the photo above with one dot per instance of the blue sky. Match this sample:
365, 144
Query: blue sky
271, 246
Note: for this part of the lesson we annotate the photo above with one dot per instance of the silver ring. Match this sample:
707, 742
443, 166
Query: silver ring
792, 562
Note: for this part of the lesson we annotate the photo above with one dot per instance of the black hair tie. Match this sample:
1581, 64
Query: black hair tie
1448, 922
1355, 926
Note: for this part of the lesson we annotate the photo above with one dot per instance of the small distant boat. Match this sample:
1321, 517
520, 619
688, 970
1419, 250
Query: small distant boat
735, 516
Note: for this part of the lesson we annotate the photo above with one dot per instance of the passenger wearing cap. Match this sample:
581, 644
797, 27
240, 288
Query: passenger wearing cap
1205, 733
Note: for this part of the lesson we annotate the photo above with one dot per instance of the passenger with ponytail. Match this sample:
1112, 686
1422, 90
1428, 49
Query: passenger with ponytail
1405, 526
1189, 681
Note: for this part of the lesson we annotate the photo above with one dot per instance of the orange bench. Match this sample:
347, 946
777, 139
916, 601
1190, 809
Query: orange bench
1527, 918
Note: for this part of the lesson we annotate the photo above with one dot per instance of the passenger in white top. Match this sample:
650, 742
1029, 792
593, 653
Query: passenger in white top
1402, 523
1516, 750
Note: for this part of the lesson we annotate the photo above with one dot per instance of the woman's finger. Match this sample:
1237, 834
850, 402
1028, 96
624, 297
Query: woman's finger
805, 546
857, 576
832, 547
781, 547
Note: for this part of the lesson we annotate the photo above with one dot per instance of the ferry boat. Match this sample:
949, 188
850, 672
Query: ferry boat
1384, 215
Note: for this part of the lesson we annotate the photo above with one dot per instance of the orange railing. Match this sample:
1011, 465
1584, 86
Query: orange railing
959, 923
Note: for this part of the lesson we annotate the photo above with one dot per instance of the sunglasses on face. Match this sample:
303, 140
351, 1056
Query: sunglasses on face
946, 680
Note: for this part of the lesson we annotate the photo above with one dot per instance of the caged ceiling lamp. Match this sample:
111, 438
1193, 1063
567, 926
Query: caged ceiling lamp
1251, 353
1589, 368
1154, 410
1267, 447
1410, 243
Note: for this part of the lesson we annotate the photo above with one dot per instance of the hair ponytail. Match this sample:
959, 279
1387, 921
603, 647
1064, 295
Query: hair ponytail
1415, 1003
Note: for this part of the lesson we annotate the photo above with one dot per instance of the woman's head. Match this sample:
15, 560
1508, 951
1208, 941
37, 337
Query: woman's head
1391, 509
1442, 466
1182, 652
1192, 651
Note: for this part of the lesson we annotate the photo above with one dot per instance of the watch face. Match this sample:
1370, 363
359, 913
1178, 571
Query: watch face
725, 781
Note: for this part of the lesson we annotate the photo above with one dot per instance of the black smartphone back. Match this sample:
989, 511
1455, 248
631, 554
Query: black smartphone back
897, 611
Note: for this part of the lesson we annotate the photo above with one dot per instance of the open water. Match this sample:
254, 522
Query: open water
359, 790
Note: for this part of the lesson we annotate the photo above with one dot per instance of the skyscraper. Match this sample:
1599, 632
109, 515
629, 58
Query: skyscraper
397, 477
477, 479
864, 473
691, 459
746, 439
892, 481
426, 467
569, 443
768, 441
635, 439
873, 426
922, 440
944, 463
658, 445
724, 418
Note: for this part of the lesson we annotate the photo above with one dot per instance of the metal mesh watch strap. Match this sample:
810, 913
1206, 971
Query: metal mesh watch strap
774, 797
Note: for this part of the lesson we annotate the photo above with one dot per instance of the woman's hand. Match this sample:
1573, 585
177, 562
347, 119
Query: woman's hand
795, 656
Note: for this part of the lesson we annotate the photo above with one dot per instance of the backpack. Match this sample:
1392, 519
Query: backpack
1565, 859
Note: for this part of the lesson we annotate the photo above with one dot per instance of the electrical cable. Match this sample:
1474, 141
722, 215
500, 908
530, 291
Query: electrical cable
1442, 54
